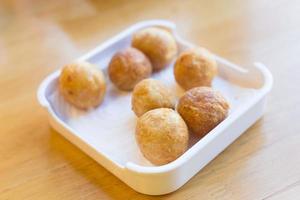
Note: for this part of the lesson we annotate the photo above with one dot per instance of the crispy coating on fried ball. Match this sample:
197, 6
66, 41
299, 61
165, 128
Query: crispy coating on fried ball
157, 44
150, 94
82, 85
195, 68
162, 135
128, 67
202, 108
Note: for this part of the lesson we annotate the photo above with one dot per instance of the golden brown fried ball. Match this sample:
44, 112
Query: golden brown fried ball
82, 85
162, 135
194, 68
157, 44
128, 67
202, 108
150, 94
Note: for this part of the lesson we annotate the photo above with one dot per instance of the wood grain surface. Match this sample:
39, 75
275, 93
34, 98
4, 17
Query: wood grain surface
37, 37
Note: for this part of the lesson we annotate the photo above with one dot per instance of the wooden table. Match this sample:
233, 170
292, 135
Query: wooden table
37, 37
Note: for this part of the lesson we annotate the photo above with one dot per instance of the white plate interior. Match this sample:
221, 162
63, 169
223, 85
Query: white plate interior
110, 128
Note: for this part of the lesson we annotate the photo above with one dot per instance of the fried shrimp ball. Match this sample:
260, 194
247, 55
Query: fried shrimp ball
194, 68
157, 44
202, 108
162, 135
82, 85
128, 67
150, 94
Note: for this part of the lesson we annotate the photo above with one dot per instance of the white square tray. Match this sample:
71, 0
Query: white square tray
107, 132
